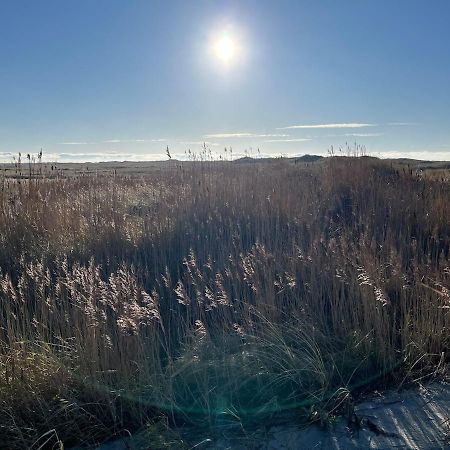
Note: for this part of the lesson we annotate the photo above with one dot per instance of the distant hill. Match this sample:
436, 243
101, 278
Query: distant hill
421, 164
308, 158
296, 159
246, 159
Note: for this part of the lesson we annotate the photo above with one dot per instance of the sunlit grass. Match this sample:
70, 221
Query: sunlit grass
214, 293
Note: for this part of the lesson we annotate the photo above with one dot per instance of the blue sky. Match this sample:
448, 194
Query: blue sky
106, 79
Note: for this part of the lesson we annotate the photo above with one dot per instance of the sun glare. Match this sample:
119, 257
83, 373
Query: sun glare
225, 48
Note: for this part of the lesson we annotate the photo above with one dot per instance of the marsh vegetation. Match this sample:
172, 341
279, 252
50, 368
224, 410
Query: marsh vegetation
208, 292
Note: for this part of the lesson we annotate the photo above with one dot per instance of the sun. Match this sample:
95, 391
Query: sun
225, 48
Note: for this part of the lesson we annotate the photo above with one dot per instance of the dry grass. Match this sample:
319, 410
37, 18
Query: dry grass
214, 291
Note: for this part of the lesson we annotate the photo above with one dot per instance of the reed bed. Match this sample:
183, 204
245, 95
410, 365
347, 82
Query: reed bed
215, 293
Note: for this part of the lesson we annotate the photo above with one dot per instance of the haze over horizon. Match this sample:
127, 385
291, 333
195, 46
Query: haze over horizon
116, 80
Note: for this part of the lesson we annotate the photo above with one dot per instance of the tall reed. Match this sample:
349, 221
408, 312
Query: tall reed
218, 290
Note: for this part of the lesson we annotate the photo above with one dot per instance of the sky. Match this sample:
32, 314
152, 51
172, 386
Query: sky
98, 80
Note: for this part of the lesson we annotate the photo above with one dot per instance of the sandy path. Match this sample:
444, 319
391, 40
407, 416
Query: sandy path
416, 418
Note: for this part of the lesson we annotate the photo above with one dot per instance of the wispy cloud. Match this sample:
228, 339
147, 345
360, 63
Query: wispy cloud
76, 143
215, 144
131, 141
289, 140
112, 141
6, 157
227, 135
105, 156
364, 134
272, 135
242, 135
328, 126
82, 156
